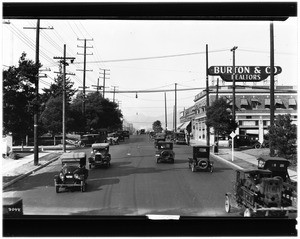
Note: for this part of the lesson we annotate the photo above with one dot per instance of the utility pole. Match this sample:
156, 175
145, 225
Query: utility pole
166, 122
64, 63
104, 77
233, 84
36, 105
84, 69
114, 93
175, 109
272, 100
217, 93
207, 98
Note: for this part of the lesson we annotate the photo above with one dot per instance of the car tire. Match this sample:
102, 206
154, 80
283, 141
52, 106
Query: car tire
157, 160
227, 204
90, 166
257, 146
57, 189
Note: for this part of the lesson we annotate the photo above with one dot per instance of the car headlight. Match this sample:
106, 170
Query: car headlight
157, 155
76, 176
61, 176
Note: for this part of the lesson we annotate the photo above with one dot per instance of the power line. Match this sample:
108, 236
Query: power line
156, 57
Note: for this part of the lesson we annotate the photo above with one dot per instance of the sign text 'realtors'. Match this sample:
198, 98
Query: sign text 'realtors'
243, 73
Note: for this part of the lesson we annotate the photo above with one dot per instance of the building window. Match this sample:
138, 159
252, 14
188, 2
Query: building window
279, 104
255, 103
248, 117
267, 103
292, 104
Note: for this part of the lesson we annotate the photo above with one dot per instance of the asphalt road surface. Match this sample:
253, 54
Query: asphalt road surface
134, 185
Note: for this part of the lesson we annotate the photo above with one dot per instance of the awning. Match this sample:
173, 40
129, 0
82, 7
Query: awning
244, 102
183, 127
278, 101
292, 102
179, 125
267, 101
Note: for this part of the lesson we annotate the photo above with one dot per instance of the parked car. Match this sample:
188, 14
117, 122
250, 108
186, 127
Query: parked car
244, 141
258, 193
113, 138
100, 155
179, 138
165, 152
73, 173
201, 160
120, 135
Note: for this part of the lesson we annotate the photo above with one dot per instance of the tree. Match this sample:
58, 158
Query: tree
283, 136
99, 113
219, 117
51, 106
156, 126
19, 98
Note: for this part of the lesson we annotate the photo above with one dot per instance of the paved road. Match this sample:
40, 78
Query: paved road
134, 185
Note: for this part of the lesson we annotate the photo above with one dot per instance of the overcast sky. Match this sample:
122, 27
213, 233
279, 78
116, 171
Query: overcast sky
171, 51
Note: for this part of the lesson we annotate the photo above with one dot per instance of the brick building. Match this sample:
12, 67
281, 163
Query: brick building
252, 109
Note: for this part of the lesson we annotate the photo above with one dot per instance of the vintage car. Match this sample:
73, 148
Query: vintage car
113, 138
89, 139
159, 137
100, 155
244, 141
201, 160
165, 152
73, 173
179, 138
258, 193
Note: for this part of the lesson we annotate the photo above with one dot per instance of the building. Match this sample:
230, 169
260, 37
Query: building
252, 109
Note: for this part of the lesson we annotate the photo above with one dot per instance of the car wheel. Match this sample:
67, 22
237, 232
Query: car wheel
57, 189
82, 145
157, 160
247, 212
90, 166
257, 146
227, 204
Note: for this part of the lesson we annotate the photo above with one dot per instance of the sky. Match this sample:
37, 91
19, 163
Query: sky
151, 55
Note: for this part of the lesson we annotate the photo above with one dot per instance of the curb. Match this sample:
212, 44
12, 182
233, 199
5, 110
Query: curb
30, 172
227, 162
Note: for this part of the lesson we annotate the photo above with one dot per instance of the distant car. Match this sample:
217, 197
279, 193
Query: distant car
126, 133
179, 138
244, 141
89, 139
165, 152
159, 137
113, 138
100, 155
120, 135
73, 173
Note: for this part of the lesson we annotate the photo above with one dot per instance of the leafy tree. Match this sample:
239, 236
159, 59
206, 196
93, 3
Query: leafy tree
51, 106
283, 136
99, 113
156, 126
220, 118
19, 98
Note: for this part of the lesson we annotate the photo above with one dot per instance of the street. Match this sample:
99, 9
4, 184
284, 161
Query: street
134, 185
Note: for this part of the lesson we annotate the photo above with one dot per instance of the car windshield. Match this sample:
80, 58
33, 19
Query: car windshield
144, 80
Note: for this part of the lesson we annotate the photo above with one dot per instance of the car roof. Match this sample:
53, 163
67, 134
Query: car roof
73, 155
264, 171
100, 145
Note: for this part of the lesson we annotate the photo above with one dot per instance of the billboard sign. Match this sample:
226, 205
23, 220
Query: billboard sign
243, 73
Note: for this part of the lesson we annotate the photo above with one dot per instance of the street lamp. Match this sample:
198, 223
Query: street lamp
233, 84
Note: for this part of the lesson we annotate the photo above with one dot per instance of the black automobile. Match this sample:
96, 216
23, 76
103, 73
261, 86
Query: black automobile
244, 141
89, 139
100, 155
126, 133
165, 152
159, 137
73, 173
201, 160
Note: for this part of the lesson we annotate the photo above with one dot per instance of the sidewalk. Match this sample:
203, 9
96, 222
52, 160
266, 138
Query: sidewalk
14, 170
241, 160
